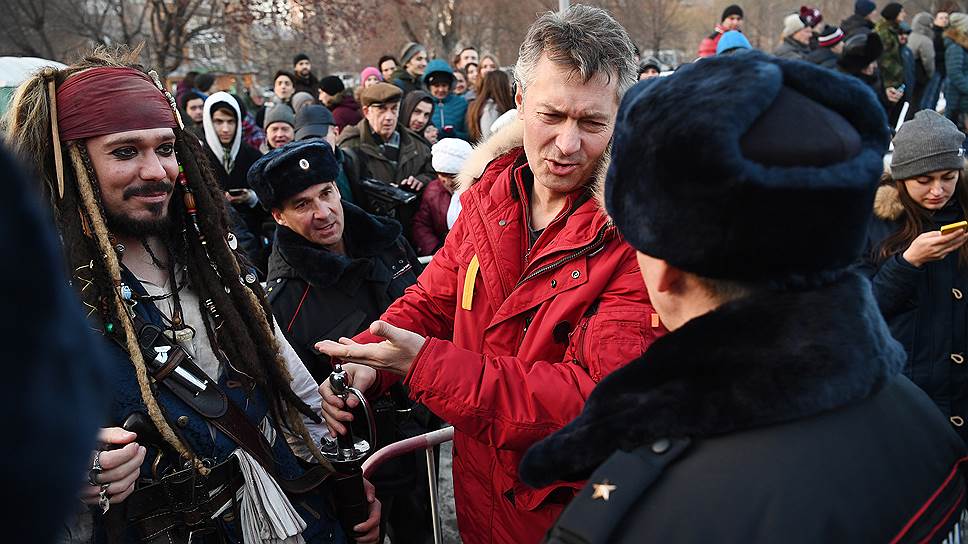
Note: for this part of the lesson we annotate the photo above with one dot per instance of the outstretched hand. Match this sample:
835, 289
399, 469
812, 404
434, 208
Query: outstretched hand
395, 354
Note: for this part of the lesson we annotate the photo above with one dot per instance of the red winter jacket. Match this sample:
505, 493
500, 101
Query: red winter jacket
515, 346
707, 47
347, 112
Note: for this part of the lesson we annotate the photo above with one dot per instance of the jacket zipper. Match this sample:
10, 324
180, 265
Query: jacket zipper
595, 244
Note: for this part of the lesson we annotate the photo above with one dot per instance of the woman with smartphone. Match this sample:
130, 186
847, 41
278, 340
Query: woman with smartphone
917, 259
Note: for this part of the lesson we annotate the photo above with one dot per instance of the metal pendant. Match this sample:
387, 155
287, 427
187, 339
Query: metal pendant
181, 335
232, 241
103, 500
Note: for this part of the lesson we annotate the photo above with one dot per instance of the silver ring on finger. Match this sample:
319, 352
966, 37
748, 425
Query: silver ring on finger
96, 469
103, 499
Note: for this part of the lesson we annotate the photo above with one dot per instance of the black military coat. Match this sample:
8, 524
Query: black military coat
776, 418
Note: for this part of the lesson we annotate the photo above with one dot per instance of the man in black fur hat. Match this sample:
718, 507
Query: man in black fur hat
775, 410
335, 269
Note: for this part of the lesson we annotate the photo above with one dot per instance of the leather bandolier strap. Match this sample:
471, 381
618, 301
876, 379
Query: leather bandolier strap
213, 404
180, 506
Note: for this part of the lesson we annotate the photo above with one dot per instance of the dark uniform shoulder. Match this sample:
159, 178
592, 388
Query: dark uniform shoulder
613, 491
276, 288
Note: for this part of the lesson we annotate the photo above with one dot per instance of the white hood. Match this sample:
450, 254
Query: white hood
211, 138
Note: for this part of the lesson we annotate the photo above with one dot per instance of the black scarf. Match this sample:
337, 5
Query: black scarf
364, 237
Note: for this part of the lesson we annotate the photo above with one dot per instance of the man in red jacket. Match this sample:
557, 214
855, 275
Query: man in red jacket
533, 298
732, 19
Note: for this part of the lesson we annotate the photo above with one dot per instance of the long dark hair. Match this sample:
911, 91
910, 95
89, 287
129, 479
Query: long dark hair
915, 218
497, 86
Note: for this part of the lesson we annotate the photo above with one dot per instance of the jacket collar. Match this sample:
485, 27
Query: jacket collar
753, 362
363, 132
795, 44
893, 26
364, 235
960, 37
888, 207
887, 203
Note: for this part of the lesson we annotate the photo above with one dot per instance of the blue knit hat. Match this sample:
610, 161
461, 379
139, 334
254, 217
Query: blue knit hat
724, 192
864, 7
733, 39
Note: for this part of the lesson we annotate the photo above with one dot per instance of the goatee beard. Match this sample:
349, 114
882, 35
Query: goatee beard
124, 225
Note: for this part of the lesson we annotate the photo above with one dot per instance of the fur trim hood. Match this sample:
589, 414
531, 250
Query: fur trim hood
507, 139
957, 35
715, 375
887, 203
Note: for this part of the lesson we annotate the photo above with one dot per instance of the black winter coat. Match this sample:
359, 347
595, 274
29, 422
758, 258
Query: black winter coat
243, 161
856, 23
317, 294
800, 428
939, 64
257, 220
307, 84
925, 309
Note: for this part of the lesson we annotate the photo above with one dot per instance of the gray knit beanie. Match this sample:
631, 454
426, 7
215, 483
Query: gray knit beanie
409, 51
280, 113
927, 143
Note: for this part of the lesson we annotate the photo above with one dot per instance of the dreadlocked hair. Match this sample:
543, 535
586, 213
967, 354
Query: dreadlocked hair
241, 336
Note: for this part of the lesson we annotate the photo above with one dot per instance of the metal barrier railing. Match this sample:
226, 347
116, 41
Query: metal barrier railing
424, 442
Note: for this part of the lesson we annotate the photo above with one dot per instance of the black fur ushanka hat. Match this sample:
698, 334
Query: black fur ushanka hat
748, 168
291, 169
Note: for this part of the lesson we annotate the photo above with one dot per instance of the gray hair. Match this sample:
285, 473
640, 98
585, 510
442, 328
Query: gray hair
584, 38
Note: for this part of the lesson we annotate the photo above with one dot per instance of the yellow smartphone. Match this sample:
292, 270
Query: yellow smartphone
954, 226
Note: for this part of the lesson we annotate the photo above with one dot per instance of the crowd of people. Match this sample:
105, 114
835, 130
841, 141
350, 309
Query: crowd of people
382, 130
645, 320
906, 64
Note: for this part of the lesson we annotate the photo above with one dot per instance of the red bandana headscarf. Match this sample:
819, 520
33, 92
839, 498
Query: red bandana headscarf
109, 100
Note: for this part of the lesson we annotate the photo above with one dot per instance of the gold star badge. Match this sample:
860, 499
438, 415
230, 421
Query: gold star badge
603, 490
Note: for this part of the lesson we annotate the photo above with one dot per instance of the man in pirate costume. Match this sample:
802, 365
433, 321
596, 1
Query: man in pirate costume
214, 429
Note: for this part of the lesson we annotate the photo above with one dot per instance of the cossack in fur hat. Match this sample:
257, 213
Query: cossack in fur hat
290, 170
724, 191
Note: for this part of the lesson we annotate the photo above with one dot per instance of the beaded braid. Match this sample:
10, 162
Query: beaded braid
90, 201
232, 297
